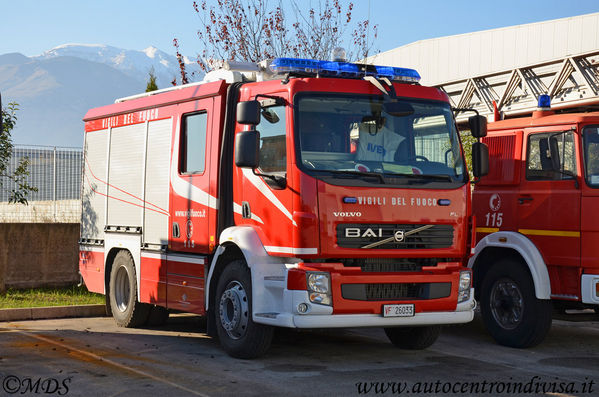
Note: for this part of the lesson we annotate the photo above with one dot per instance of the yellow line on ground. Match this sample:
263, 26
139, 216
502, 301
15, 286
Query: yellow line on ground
111, 362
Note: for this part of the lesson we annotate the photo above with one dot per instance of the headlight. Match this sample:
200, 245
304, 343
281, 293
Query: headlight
465, 284
318, 282
319, 287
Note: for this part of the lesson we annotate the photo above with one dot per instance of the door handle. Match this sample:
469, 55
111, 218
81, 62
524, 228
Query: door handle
522, 200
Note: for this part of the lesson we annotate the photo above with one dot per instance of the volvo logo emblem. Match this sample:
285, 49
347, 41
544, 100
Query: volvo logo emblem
399, 235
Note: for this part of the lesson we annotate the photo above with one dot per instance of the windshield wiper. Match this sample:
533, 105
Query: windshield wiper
432, 177
436, 177
381, 176
356, 173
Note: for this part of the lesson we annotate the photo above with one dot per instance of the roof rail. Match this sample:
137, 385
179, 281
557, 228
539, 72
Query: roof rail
229, 71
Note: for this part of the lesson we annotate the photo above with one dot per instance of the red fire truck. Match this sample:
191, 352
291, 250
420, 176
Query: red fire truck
537, 224
294, 193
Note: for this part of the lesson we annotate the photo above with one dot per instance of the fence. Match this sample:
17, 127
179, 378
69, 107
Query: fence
56, 173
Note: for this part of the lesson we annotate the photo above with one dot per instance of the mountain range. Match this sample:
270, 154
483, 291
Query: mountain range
55, 89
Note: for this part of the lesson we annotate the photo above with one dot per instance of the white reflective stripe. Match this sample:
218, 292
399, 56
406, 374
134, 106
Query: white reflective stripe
237, 210
185, 259
265, 190
291, 250
173, 258
152, 255
183, 187
91, 249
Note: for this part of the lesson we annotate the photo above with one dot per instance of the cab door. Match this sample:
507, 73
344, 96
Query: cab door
549, 205
263, 197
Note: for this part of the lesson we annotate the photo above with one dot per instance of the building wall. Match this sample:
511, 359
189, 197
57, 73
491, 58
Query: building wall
63, 211
39, 254
451, 58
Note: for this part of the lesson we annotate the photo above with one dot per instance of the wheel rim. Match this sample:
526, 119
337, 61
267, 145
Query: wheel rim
233, 310
122, 291
507, 303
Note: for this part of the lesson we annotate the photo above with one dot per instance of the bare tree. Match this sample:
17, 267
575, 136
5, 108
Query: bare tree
253, 30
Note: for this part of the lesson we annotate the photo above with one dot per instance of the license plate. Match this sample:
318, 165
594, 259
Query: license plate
398, 310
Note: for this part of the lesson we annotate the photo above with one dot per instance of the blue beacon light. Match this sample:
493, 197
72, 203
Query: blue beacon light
315, 67
544, 101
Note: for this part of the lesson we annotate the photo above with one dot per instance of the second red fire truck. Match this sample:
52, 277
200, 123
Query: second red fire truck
298, 193
538, 224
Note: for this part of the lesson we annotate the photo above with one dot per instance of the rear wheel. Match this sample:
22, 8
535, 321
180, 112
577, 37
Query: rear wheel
510, 310
239, 335
126, 309
413, 338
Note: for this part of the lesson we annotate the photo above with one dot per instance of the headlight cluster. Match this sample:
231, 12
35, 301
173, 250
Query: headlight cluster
319, 287
465, 284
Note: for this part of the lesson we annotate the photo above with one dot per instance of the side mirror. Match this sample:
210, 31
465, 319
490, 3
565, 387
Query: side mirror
248, 112
480, 159
478, 126
247, 149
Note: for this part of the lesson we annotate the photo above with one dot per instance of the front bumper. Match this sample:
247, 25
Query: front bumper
319, 316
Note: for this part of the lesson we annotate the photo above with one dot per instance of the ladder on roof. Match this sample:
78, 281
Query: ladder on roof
571, 82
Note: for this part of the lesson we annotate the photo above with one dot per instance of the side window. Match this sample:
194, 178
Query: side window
193, 143
431, 139
551, 156
591, 155
273, 147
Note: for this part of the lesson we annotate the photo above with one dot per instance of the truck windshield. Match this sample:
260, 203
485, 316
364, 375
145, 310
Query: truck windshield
591, 155
346, 136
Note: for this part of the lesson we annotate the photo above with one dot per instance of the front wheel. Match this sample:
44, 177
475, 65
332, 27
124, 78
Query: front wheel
510, 310
239, 335
413, 338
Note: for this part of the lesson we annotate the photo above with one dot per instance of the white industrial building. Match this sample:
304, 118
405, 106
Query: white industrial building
510, 67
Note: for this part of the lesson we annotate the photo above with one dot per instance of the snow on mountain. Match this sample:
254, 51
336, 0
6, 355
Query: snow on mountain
55, 89
54, 94
136, 64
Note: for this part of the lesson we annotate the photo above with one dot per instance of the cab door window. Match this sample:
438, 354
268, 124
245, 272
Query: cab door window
273, 147
551, 156
193, 143
591, 155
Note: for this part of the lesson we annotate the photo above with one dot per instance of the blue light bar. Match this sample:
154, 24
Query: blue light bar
544, 101
313, 67
288, 65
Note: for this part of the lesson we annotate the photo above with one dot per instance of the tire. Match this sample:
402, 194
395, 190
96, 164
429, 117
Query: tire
126, 309
510, 310
413, 338
239, 335
158, 316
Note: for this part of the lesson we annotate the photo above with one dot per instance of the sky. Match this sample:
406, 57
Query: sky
32, 27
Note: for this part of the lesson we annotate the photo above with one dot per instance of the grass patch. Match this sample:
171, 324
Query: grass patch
40, 297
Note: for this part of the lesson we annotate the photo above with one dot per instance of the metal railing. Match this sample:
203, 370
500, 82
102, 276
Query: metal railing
56, 173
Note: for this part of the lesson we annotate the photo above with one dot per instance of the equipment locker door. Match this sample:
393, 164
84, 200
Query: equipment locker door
193, 203
549, 205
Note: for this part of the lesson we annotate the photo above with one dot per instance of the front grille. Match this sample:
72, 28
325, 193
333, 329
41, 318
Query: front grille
394, 236
397, 291
392, 265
